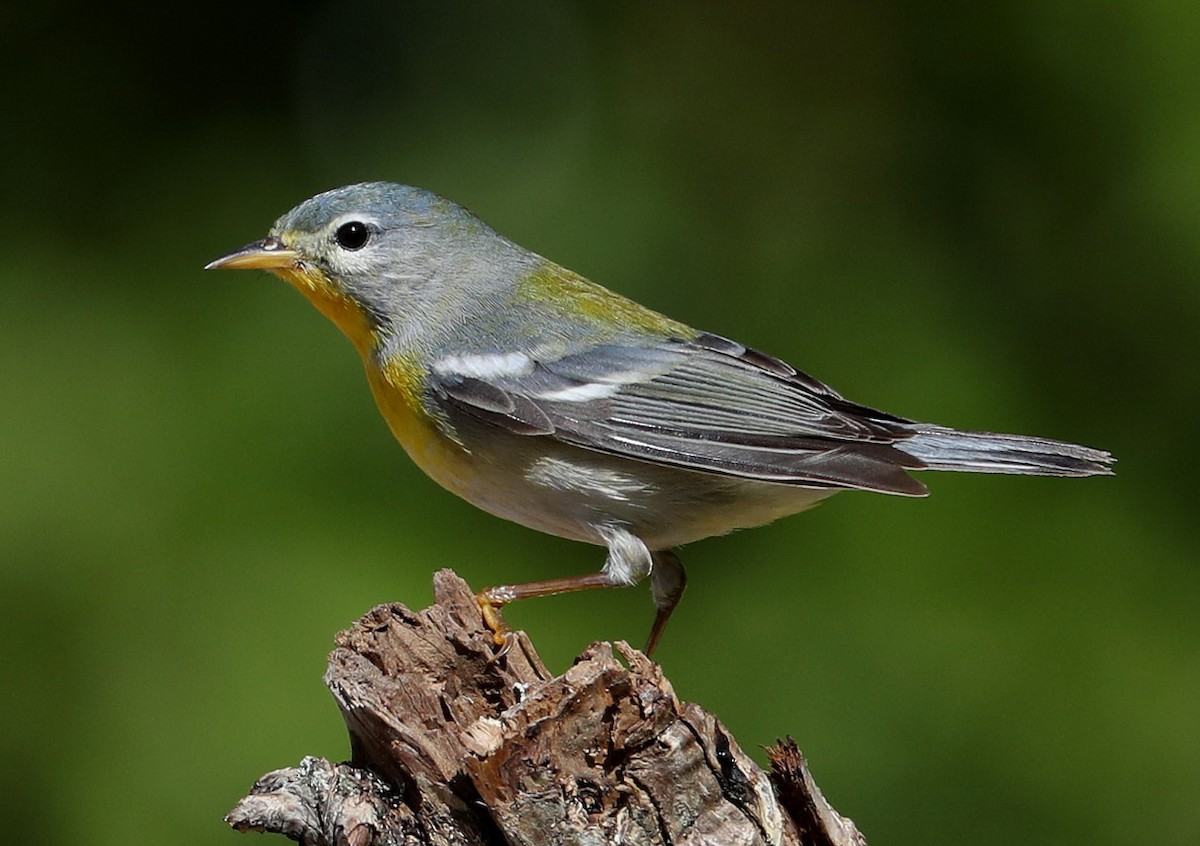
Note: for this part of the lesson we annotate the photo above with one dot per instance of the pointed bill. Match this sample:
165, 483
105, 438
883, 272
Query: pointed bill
267, 254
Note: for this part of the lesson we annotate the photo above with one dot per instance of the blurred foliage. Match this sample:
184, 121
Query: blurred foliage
984, 215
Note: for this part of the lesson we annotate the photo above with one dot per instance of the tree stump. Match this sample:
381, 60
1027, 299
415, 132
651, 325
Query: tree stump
452, 744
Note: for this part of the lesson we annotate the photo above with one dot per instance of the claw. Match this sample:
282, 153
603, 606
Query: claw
490, 607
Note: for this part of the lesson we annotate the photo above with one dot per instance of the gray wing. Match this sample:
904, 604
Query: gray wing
706, 404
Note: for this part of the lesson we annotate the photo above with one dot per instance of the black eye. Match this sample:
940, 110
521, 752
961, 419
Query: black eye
353, 235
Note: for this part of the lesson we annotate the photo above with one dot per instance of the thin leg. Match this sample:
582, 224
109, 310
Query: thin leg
628, 562
493, 599
667, 581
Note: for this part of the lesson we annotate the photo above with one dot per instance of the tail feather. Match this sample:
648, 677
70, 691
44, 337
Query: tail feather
942, 448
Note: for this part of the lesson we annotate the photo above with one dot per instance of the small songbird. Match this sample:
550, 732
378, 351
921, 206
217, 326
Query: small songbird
553, 402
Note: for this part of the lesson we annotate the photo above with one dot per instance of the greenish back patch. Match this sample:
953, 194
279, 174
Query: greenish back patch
557, 288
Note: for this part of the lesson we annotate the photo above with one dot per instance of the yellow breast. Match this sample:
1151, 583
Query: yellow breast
397, 387
397, 384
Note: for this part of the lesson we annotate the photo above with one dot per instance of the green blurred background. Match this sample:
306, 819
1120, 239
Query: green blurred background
982, 216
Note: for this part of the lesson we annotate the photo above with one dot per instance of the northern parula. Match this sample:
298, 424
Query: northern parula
548, 400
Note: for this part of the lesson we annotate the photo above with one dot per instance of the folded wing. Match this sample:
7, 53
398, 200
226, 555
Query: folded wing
705, 404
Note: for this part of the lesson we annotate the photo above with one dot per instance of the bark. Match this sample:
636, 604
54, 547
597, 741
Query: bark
452, 744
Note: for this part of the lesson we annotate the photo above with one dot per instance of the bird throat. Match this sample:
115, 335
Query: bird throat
342, 310
397, 382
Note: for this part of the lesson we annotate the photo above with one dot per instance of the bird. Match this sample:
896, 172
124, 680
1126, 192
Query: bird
549, 400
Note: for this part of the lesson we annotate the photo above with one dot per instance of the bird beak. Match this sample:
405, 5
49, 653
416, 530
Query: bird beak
267, 254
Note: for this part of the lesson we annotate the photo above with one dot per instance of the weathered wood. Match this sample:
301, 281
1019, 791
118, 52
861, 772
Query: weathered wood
452, 744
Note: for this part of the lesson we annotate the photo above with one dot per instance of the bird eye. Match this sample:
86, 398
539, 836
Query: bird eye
353, 235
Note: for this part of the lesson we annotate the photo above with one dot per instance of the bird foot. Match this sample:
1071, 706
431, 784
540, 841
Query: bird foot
489, 607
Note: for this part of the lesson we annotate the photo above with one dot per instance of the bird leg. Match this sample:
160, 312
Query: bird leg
667, 581
492, 599
627, 564
629, 561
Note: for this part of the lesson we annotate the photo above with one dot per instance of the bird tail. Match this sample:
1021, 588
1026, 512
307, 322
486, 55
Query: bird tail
942, 448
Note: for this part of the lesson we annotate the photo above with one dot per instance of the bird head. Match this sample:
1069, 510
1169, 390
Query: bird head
381, 259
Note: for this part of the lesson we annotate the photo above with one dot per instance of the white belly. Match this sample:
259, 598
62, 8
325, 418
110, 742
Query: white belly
568, 492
